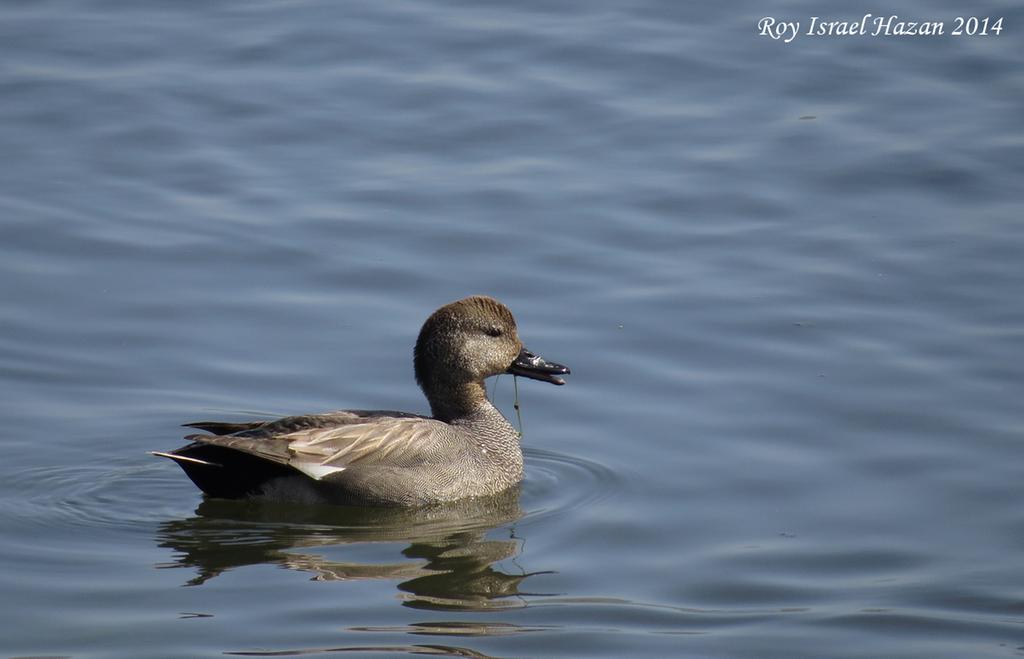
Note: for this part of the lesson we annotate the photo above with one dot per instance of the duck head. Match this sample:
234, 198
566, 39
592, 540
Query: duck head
466, 341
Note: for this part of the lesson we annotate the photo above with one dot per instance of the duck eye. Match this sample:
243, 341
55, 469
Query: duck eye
493, 331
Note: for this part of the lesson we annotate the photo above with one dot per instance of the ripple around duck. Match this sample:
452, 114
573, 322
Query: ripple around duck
100, 495
557, 484
108, 495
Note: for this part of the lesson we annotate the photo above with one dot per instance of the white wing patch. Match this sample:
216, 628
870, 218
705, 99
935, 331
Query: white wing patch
316, 471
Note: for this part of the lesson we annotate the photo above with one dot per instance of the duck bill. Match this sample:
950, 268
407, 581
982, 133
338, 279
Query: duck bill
536, 367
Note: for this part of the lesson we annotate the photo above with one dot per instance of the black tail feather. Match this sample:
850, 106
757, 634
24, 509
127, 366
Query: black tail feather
226, 473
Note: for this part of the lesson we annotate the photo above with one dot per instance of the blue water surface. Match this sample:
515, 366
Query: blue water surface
787, 277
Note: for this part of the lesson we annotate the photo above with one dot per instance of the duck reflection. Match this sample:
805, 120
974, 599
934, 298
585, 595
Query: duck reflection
453, 562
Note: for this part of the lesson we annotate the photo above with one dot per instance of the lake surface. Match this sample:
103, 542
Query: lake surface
788, 279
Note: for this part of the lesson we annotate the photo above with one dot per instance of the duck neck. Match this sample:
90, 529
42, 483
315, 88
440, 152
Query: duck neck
451, 402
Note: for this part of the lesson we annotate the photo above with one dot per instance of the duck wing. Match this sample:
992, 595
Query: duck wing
327, 444
224, 428
287, 424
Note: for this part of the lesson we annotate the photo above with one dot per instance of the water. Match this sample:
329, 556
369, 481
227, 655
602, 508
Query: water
787, 278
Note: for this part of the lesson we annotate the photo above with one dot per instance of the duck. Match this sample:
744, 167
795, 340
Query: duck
465, 448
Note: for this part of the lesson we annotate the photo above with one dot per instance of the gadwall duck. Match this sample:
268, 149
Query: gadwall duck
387, 458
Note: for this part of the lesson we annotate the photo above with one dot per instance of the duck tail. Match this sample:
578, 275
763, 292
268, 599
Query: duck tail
224, 472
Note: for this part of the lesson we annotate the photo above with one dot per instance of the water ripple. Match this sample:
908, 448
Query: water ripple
557, 484
90, 496
108, 495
